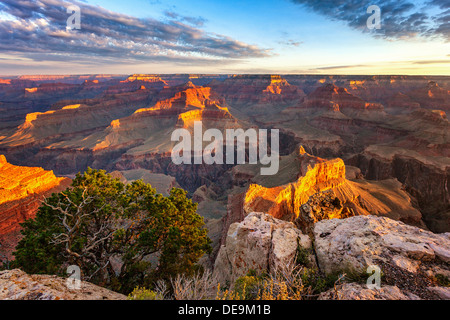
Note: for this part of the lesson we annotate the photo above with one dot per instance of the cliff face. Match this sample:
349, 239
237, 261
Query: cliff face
243, 90
19, 182
260, 243
426, 182
333, 97
432, 96
286, 201
322, 191
21, 192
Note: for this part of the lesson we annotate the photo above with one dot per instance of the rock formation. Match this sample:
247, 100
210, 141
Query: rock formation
322, 191
411, 260
358, 242
17, 285
409, 257
22, 190
260, 243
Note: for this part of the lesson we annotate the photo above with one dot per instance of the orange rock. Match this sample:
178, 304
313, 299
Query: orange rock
22, 190
285, 201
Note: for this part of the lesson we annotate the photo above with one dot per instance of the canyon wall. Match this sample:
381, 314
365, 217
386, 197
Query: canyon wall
22, 190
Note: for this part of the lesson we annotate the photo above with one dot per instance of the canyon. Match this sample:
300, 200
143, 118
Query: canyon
351, 147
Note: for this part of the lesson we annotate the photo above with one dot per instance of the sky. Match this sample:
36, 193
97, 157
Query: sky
212, 36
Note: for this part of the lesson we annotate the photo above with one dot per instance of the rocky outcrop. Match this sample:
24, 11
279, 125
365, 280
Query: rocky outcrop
316, 175
410, 258
355, 291
19, 182
322, 191
412, 261
17, 285
423, 178
260, 243
335, 98
22, 190
432, 96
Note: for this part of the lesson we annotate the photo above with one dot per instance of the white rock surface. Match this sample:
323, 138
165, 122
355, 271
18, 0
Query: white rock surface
261, 243
17, 285
354, 291
360, 241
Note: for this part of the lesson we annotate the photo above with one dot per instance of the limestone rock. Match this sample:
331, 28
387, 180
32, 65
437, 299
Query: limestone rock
22, 190
17, 285
317, 189
354, 291
409, 257
261, 243
441, 292
358, 242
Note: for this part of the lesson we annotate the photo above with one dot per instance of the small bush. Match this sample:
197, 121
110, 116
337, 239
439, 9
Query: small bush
302, 256
248, 286
442, 280
316, 281
145, 294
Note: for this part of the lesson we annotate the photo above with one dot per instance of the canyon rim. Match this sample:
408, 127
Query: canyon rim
214, 162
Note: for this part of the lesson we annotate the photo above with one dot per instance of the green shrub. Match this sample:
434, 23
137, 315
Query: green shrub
144, 294
302, 256
442, 280
247, 287
317, 281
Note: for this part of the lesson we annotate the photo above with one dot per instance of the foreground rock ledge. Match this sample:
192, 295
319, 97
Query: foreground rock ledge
261, 243
17, 285
361, 241
410, 258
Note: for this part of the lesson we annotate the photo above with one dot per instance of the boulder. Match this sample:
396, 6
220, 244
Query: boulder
17, 285
360, 241
409, 257
261, 243
355, 291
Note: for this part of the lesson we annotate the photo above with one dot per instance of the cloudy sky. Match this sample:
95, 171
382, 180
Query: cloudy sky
212, 36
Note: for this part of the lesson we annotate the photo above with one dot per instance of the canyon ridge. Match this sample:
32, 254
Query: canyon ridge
363, 174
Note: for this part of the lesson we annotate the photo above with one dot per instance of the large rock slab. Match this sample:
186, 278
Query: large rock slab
355, 291
261, 243
358, 242
17, 285
409, 257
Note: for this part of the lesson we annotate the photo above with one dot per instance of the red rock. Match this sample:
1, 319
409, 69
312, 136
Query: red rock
22, 190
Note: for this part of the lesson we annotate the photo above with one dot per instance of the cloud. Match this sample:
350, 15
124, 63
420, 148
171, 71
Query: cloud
442, 4
400, 19
195, 21
291, 43
432, 62
38, 32
341, 67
